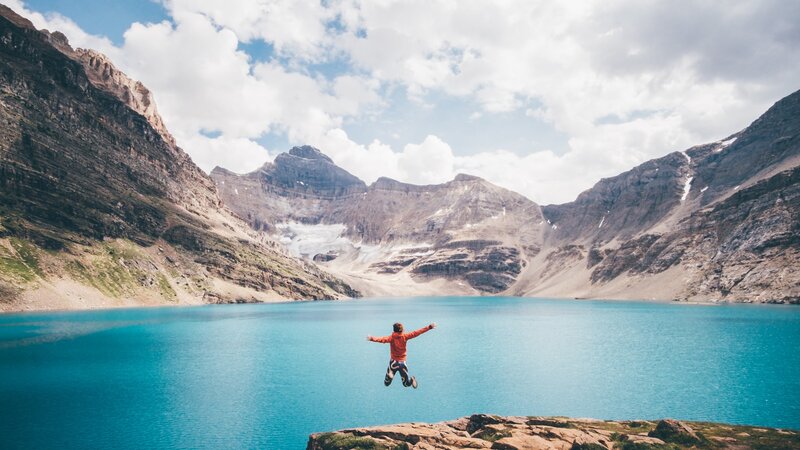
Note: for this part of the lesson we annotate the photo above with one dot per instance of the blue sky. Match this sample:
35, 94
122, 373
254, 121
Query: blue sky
104, 17
538, 97
401, 121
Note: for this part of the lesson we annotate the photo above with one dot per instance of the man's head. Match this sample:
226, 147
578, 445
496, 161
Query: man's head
398, 327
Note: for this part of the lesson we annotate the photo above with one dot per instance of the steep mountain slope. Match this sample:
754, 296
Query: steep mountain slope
473, 235
678, 184
98, 206
715, 222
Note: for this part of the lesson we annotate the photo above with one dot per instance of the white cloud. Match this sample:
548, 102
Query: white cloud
239, 155
671, 77
294, 27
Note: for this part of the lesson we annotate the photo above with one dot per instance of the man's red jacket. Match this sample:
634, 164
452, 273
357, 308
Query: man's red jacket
397, 342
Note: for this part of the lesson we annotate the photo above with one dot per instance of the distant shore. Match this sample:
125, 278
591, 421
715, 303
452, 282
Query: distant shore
100, 306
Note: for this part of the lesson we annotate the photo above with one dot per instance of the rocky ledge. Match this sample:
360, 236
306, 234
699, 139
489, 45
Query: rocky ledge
551, 433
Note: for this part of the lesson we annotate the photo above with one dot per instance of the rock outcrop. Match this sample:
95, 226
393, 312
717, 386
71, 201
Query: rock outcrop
99, 207
555, 433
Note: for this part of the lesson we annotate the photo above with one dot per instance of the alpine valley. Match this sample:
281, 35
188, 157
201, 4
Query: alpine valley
100, 207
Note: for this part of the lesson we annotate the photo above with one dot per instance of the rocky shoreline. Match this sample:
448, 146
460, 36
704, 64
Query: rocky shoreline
551, 433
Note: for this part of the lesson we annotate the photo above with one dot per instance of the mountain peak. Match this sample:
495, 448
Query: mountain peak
106, 76
9, 14
467, 177
309, 152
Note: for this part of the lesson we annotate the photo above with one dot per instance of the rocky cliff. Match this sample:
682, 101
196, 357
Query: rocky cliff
468, 235
716, 222
556, 433
99, 207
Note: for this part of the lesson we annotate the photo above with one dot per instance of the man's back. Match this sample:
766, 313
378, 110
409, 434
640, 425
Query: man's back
397, 342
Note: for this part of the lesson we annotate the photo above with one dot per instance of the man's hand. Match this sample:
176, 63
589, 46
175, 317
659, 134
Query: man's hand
432, 325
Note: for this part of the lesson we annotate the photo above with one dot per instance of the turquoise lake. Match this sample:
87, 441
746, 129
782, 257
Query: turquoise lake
265, 376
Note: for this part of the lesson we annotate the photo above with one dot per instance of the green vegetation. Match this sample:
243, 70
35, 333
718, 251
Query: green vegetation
713, 435
492, 434
20, 263
165, 288
627, 445
710, 436
588, 446
107, 275
346, 441
549, 422
117, 270
623, 436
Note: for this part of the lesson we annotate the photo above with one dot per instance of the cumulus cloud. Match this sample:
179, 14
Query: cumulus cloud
625, 80
296, 28
239, 155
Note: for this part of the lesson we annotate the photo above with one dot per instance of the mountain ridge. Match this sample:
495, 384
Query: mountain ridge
99, 207
626, 232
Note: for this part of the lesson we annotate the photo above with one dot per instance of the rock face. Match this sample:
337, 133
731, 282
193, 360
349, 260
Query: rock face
723, 217
307, 171
390, 231
98, 206
717, 222
550, 433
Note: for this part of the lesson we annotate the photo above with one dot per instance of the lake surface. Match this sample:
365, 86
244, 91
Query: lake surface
268, 375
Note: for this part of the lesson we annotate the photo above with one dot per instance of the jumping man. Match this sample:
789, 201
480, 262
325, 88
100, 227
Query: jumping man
397, 342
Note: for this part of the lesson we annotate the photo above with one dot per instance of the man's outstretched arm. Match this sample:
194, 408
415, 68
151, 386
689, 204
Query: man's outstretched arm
380, 339
416, 333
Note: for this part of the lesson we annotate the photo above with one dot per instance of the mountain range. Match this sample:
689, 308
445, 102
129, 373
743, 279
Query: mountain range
100, 207
715, 222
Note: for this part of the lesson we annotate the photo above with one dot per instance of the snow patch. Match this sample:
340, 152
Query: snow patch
704, 189
442, 211
555, 226
235, 190
724, 144
504, 211
686, 188
688, 158
308, 240
601, 222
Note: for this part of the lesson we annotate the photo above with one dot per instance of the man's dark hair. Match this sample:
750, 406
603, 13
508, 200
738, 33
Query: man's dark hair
398, 327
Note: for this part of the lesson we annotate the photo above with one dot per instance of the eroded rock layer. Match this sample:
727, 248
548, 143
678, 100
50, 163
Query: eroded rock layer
99, 207
555, 433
